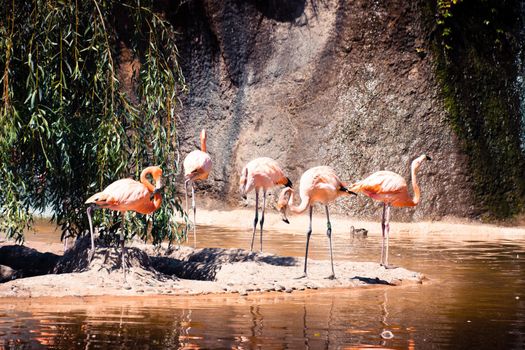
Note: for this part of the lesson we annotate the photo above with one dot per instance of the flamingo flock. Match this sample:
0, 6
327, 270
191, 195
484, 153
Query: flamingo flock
319, 184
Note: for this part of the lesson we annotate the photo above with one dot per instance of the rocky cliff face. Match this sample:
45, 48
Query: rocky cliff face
349, 84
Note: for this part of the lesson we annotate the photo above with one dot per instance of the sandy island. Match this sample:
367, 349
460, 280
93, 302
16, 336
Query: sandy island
188, 271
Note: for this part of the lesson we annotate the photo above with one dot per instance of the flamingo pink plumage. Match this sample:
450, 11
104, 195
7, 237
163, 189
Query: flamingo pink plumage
127, 194
391, 189
197, 166
317, 184
262, 173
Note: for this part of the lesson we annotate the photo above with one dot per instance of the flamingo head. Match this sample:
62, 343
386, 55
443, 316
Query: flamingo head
416, 163
156, 173
242, 189
282, 203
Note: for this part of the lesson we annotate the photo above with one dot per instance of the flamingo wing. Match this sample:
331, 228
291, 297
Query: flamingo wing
320, 184
197, 165
266, 172
125, 194
381, 183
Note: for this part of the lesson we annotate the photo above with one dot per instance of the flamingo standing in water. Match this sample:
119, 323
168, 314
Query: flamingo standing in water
127, 194
391, 189
197, 166
318, 184
262, 173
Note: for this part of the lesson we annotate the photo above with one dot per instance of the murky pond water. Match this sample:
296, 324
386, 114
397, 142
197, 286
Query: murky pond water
475, 299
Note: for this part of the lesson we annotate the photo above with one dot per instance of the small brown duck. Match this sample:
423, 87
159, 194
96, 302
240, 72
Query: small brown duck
358, 232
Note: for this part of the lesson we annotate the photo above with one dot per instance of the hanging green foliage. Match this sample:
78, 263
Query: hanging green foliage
88, 94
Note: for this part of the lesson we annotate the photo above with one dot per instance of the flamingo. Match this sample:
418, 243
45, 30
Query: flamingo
317, 184
197, 166
391, 189
127, 194
262, 173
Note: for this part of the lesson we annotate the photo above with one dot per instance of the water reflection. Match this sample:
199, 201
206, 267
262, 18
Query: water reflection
474, 299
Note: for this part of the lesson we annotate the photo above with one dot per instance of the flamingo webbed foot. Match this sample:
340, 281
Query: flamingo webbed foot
331, 277
301, 277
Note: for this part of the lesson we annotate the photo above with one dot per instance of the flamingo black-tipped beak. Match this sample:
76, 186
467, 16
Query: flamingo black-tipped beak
344, 189
243, 196
428, 158
283, 215
155, 191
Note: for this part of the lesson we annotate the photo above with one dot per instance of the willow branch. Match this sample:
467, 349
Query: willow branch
108, 49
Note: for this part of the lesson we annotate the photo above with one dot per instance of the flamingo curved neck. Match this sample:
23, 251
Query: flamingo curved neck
417, 194
203, 141
157, 197
305, 203
144, 180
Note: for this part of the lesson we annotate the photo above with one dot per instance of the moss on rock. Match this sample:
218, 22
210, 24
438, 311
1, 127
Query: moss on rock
476, 46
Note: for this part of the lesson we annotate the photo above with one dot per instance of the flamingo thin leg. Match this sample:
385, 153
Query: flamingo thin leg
92, 252
383, 226
387, 233
186, 196
308, 234
256, 216
122, 236
194, 214
262, 216
329, 234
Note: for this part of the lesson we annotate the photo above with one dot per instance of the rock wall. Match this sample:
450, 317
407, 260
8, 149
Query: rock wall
349, 84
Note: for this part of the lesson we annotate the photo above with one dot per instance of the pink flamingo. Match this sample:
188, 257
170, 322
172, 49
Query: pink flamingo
318, 184
391, 189
262, 173
127, 194
197, 166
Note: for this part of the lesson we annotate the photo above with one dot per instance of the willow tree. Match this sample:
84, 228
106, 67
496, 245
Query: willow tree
88, 96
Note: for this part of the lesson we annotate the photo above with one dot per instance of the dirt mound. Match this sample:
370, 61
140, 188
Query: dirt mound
106, 257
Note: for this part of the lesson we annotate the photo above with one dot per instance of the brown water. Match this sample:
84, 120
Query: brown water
475, 300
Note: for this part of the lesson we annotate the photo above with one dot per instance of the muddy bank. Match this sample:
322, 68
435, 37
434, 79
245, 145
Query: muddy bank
188, 271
